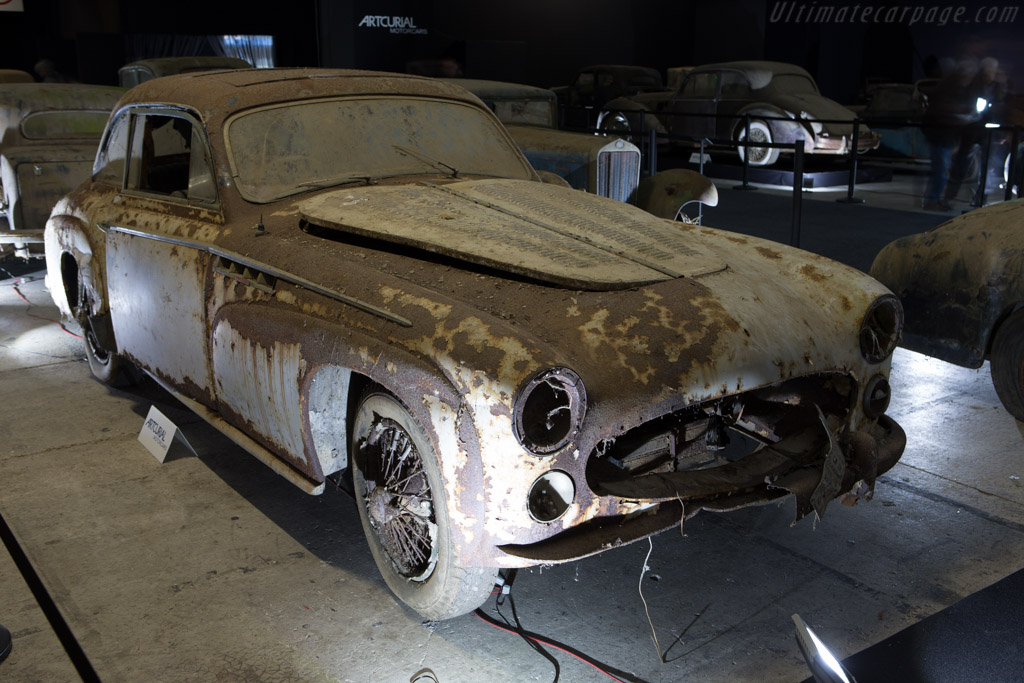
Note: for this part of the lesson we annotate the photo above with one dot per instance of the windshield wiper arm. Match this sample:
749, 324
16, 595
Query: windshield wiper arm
340, 180
429, 161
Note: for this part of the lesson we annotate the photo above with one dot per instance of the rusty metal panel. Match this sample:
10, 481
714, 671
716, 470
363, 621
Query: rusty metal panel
260, 381
157, 302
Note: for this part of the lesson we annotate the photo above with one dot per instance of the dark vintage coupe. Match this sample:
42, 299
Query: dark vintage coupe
779, 103
359, 275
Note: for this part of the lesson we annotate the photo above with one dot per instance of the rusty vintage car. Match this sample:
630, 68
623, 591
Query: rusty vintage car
49, 136
962, 287
357, 274
782, 102
609, 168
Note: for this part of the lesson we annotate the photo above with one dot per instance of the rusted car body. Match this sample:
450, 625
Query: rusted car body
142, 70
609, 168
512, 371
50, 133
962, 287
714, 101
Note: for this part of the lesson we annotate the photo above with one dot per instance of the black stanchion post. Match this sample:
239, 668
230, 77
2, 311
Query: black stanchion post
652, 153
746, 153
700, 205
979, 196
854, 143
1011, 177
798, 188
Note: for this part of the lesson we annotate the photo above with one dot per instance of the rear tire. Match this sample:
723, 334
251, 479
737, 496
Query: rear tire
401, 499
105, 364
1007, 364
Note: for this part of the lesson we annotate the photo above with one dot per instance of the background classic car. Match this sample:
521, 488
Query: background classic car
962, 286
513, 372
142, 70
732, 90
609, 168
49, 137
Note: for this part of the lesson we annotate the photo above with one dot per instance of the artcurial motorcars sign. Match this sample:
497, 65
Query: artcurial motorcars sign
403, 25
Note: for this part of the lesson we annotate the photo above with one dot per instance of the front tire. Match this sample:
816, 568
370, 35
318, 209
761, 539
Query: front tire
1007, 364
402, 504
759, 132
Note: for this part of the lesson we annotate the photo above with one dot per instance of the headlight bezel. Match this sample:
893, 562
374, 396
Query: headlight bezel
556, 395
881, 328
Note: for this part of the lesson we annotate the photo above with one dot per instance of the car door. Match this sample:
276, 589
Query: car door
690, 112
158, 228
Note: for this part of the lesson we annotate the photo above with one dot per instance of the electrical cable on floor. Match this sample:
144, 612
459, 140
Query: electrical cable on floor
39, 317
537, 641
640, 587
49, 608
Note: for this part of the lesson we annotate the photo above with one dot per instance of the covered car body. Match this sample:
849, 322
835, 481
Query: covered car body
142, 70
603, 166
49, 136
512, 372
962, 288
714, 101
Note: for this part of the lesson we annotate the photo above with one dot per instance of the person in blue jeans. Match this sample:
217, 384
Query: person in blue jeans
950, 109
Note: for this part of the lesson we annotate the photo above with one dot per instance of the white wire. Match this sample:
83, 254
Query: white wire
640, 587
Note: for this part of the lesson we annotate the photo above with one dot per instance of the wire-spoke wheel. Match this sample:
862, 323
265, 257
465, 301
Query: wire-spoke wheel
402, 504
104, 363
759, 132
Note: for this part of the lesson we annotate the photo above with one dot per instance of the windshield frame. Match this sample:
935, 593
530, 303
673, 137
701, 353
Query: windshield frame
498, 129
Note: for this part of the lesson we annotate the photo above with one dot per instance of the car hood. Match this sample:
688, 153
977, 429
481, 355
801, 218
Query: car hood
547, 233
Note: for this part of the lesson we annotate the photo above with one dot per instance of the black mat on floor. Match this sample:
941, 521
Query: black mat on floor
849, 233
980, 638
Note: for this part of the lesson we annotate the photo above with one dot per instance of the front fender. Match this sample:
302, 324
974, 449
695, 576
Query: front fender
311, 365
665, 193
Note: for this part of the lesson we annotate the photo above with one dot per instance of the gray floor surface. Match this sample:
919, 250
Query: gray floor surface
212, 568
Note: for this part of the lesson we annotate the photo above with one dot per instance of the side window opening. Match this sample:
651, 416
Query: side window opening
169, 157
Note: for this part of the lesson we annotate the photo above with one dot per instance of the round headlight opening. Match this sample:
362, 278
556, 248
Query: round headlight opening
551, 495
549, 410
881, 328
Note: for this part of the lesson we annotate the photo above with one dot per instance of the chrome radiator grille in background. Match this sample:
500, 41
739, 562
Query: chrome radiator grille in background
618, 171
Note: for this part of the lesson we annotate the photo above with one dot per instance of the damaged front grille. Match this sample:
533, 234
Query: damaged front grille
725, 446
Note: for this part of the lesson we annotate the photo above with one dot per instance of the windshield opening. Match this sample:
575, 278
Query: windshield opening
286, 149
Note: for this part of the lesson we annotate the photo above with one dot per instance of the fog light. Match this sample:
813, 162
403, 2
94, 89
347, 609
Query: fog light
551, 495
876, 396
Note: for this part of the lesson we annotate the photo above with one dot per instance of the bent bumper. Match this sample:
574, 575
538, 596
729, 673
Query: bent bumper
865, 456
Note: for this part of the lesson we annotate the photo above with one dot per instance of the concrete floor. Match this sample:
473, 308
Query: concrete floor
212, 568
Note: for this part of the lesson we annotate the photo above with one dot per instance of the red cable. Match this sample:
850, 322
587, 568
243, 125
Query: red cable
544, 642
39, 317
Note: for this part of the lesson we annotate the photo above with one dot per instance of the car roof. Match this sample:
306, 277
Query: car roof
21, 99
162, 66
216, 95
485, 89
759, 73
